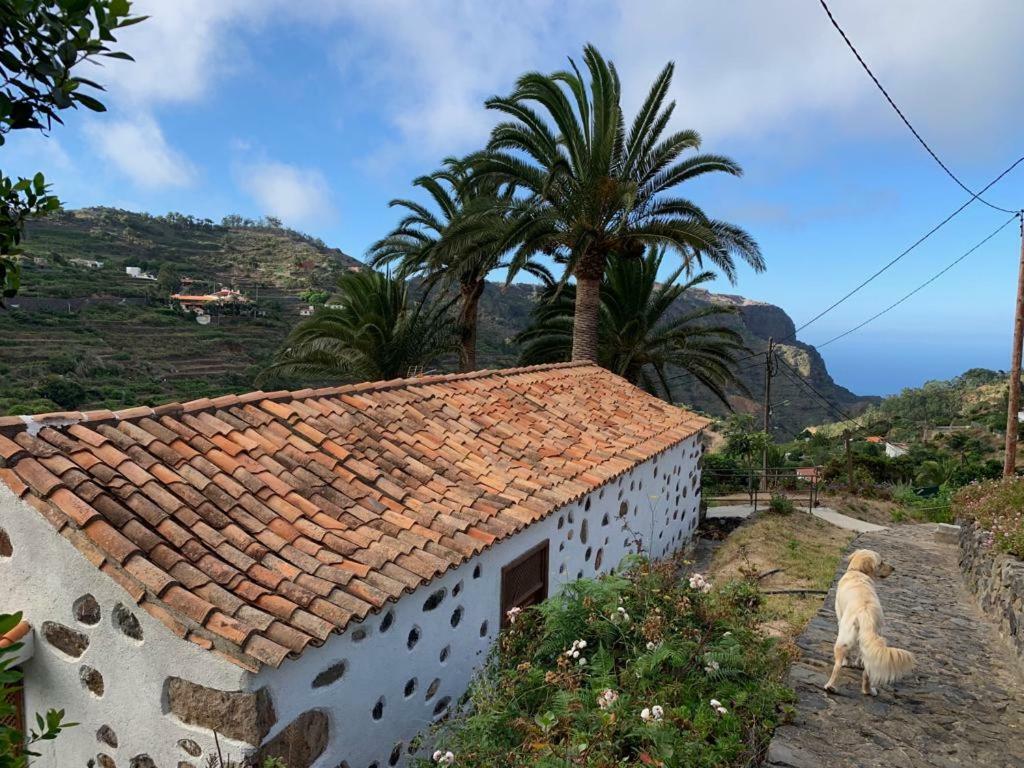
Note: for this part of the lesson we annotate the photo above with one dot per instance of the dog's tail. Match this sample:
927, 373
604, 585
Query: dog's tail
883, 664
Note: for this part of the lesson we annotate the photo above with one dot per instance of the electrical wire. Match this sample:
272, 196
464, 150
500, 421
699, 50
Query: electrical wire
903, 117
923, 285
900, 256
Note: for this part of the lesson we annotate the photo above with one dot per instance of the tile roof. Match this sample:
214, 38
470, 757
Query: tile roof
258, 524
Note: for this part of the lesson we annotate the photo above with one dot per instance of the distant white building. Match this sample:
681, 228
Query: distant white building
136, 273
895, 450
90, 263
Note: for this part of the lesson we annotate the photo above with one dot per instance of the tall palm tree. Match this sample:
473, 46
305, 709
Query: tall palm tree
642, 331
459, 244
597, 188
378, 332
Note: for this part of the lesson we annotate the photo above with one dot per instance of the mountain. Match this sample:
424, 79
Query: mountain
85, 334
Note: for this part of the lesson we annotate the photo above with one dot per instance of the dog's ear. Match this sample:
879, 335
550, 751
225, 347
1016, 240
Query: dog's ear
865, 561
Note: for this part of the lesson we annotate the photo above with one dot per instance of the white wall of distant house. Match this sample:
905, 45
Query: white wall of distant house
43, 578
661, 501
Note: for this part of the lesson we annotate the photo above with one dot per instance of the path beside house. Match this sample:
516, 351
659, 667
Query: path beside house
837, 519
962, 707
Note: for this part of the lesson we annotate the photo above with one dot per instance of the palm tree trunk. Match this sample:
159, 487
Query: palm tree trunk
589, 272
468, 311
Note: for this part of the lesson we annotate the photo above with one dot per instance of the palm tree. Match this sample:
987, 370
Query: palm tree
376, 333
597, 189
643, 331
460, 244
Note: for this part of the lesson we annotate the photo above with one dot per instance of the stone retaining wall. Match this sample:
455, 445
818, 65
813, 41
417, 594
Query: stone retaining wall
997, 579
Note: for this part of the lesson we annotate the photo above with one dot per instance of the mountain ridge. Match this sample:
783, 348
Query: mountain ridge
87, 331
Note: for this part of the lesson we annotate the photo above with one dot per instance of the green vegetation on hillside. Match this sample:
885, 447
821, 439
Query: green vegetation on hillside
998, 507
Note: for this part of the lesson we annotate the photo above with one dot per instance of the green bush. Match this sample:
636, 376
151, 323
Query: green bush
781, 505
998, 507
629, 669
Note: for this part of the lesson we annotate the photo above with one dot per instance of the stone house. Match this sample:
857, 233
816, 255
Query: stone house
316, 574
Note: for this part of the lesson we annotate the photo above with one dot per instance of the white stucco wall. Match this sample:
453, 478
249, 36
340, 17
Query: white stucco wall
46, 574
661, 510
43, 578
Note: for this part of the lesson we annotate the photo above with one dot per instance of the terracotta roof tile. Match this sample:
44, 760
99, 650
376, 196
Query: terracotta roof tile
255, 525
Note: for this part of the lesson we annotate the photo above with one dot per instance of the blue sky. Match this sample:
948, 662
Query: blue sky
320, 114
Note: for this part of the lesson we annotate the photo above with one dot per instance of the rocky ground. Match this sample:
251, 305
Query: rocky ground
962, 707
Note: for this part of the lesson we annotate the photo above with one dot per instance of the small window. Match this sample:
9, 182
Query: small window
524, 581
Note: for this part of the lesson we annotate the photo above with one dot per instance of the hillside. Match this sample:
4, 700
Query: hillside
81, 335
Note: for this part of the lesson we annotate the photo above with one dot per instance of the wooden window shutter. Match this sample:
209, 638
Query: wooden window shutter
524, 581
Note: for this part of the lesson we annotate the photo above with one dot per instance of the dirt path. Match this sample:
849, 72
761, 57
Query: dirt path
962, 707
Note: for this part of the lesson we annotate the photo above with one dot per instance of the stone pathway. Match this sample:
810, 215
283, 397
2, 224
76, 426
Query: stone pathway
837, 519
962, 707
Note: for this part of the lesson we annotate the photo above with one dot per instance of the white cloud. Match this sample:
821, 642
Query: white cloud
138, 149
181, 50
745, 69
295, 195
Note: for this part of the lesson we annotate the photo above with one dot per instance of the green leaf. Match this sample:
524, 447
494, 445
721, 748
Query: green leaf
90, 102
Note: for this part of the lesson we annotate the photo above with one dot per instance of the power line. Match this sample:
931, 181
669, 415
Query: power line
795, 375
903, 117
916, 243
926, 283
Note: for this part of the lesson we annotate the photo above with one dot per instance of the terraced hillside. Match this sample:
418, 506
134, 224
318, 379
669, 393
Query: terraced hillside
82, 336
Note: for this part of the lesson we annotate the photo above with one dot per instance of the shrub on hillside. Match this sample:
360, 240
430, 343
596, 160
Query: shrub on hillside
998, 507
781, 505
635, 668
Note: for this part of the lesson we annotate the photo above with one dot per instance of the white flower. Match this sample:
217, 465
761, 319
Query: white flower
727, 634
711, 666
715, 703
607, 698
698, 582
581, 643
444, 758
512, 614
717, 706
721, 710
652, 714
651, 645
583, 662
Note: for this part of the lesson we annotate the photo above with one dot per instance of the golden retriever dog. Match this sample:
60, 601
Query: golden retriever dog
860, 620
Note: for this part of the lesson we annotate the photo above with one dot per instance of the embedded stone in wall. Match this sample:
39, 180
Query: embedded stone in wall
141, 761
332, 674
190, 747
242, 715
105, 761
301, 742
87, 610
6, 548
105, 734
125, 621
183, 764
65, 639
92, 681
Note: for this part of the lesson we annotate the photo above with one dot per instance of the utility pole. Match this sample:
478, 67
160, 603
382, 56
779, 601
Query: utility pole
1010, 463
769, 371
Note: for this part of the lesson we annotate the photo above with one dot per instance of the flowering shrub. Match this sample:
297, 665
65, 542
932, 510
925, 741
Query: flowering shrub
674, 675
998, 507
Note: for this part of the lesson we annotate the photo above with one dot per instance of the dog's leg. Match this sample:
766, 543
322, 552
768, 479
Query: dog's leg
840, 658
865, 685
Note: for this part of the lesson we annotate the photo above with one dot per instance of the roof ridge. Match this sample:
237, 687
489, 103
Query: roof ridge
32, 423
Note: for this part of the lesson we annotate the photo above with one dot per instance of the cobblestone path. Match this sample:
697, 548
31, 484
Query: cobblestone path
962, 707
